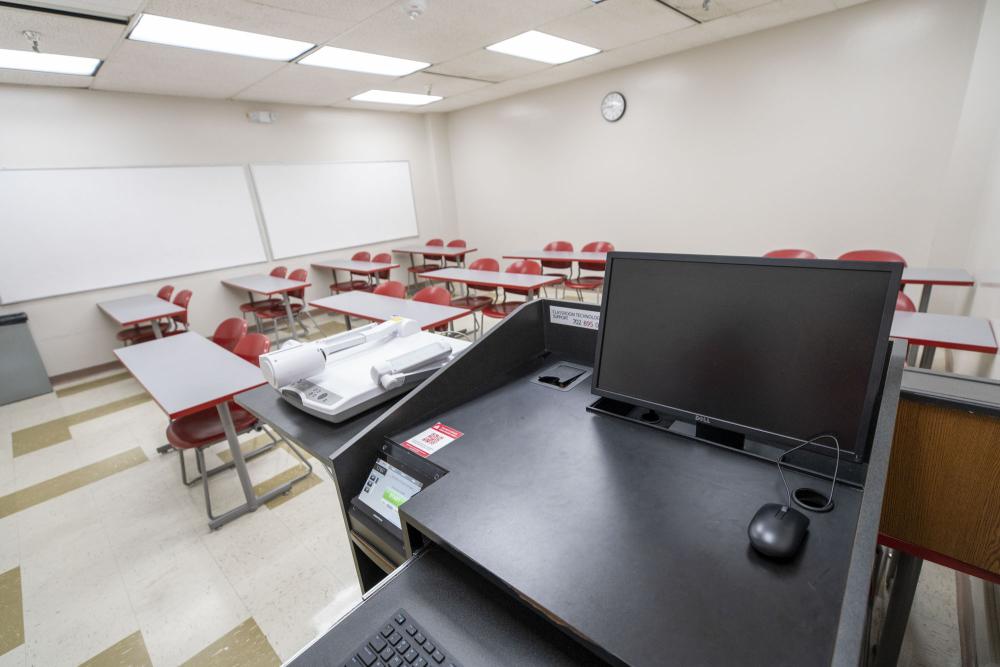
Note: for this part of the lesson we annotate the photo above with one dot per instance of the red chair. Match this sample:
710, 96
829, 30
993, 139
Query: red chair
383, 258
459, 259
251, 306
201, 429
563, 246
476, 302
428, 261
438, 295
582, 282
127, 336
505, 308
352, 284
791, 253
278, 312
183, 299
392, 288
230, 332
905, 303
872, 256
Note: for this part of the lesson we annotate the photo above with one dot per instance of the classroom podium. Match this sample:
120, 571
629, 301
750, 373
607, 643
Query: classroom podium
556, 535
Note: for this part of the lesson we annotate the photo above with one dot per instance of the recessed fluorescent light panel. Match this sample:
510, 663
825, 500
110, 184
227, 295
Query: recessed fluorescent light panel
47, 62
175, 32
390, 97
359, 61
543, 47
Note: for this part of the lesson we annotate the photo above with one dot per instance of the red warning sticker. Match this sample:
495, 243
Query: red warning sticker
430, 440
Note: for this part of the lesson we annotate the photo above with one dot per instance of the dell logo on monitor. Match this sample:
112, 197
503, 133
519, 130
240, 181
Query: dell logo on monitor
703, 420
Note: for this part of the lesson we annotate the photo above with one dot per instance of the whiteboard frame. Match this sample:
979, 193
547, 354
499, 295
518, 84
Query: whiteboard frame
263, 218
255, 205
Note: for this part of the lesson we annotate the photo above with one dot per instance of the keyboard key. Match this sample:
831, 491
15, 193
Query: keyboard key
400, 619
419, 662
386, 653
377, 643
394, 638
388, 630
367, 656
410, 630
438, 656
410, 656
395, 661
429, 647
402, 647
419, 637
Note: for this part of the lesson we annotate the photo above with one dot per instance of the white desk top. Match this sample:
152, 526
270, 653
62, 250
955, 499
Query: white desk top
187, 373
443, 251
491, 278
956, 332
136, 309
354, 266
560, 255
990, 278
930, 276
266, 285
379, 308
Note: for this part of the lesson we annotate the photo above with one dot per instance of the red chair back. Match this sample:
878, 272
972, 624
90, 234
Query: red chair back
383, 258
362, 256
873, 256
905, 303
182, 299
596, 246
300, 275
434, 294
525, 266
555, 263
165, 292
439, 242
791, 253
252, 346
230, 332
392, 288
279, 271
485, 264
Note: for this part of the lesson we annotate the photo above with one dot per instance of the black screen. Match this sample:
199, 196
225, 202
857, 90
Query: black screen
785, 349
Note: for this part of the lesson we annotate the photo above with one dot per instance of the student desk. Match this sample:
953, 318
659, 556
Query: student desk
560, 256
454, 254
269, 286
523, 281
369, 269
929, 277
956, 332
629, 540
186, 374
134, 310
379, 308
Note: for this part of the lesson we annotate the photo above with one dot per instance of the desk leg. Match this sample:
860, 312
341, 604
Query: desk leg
530, 295
902, 590
925, 298
911, 355
256, 319
412, 277
288, 314
927, 358
156, 329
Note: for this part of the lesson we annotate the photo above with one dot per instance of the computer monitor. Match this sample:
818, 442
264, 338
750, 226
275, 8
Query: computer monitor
778, 350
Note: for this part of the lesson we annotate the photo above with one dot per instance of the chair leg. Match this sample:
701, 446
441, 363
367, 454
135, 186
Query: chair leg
200, 455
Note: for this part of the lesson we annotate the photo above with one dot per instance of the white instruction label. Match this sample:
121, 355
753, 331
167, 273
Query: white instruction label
585, 319
429, 441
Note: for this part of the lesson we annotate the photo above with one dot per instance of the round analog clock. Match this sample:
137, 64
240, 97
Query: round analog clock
613, 106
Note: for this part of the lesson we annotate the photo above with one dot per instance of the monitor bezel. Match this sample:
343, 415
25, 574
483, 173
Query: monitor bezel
878, 363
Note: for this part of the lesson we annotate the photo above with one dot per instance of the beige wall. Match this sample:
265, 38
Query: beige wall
49, 127
832, 133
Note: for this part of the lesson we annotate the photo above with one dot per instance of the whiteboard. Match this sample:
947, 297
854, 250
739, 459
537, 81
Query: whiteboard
71, 230
310, 208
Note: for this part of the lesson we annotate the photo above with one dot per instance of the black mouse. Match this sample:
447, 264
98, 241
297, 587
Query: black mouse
777, 530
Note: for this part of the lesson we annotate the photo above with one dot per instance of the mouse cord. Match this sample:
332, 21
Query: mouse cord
836, 469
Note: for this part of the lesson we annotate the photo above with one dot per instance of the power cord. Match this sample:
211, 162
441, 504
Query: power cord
836, 469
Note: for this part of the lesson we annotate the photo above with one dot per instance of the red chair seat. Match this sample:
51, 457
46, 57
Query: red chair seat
472, 302
502, 310
204, 427
131, 335
349, 286
279, 311
585, 282
423, 268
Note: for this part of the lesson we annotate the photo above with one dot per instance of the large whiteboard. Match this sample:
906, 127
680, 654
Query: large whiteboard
310, 208
71, 230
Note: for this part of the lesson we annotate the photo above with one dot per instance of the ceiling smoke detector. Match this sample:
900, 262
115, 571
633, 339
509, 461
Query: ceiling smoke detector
414, 8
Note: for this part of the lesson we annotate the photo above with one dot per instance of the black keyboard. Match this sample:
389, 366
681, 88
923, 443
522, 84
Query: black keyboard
401, 642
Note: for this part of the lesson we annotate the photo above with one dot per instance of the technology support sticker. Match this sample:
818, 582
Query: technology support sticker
429, 441
574, 317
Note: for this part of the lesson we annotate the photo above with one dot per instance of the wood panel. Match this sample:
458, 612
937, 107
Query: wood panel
943, 489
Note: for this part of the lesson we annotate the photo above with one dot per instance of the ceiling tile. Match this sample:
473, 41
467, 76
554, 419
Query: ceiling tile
59, 34
614, 23
352, 11
450, 28
268, 19
304, 84
445, 86
695, 9
488, 66
120, 8
166, 70
14, 76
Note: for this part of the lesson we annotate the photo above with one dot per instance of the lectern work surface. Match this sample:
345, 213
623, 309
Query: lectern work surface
632, 538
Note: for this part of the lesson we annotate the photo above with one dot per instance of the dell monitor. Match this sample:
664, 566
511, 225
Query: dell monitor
778, 350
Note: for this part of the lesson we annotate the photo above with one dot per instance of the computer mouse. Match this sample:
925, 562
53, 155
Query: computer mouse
777, 530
